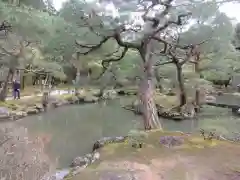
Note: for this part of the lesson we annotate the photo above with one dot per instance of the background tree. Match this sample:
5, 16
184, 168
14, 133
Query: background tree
236, 38
22, 46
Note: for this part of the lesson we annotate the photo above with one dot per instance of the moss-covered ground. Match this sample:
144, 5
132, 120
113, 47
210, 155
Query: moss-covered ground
194, 159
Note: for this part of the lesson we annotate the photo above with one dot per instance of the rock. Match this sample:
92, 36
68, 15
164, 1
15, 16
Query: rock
80, 161
210, 98
96, 92
86, 160
31, 111
236, 111
121, 93
21, 113
4, 113
73, 99
54, 104
125, 92
108, 140
15, 115
219, 93
170, 93
58, 175
109, 94
4, 110
90, 99
176, 116
4, 116
170, 141
64, 102
39, 107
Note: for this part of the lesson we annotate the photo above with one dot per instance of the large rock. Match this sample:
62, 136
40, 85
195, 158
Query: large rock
90, 99
85, 160
4, 110
4, 113
126, 92
109, 94
58, 175
31, 111
18, 114
72, 99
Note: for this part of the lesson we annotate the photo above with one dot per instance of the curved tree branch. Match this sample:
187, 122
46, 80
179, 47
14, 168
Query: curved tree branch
92, 48
116, 35
106, 62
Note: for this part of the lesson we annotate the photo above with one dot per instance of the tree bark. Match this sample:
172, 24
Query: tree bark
77, 82
196, 67
3, 92
158, 78
182, 93
146, 92
197, 100
197, 93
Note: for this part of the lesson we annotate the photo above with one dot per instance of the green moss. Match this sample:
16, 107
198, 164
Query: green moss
165, 101
152, 147
66, 96
10, 105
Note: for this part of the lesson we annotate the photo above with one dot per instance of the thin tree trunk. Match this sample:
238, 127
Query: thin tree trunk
23, 82
158, 78
197, 100
182, 94
197, 92
146, 90
77, 81
3, 92
196, 67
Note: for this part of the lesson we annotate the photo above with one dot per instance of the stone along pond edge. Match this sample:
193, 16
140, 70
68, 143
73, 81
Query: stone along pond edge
14, 113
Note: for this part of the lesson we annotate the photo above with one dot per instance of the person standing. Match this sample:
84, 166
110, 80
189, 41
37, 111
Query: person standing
16, 85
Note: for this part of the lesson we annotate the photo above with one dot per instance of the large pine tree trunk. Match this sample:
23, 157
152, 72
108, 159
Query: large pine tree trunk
146, 90
182, 93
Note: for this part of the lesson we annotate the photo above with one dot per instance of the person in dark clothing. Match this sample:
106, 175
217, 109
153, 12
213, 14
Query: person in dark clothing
16, 85
16, 89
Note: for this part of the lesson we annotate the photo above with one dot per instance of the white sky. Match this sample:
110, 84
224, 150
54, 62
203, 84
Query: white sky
231, 9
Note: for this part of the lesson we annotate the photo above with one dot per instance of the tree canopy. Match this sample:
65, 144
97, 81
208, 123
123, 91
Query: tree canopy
56, 36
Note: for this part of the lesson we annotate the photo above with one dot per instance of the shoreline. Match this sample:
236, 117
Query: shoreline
58, 98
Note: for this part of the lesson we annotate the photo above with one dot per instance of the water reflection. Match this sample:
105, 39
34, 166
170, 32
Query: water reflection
74, 129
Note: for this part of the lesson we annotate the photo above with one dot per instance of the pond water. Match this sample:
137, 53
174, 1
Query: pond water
70, 131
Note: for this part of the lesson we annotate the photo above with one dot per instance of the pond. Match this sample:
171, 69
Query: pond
70, 131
